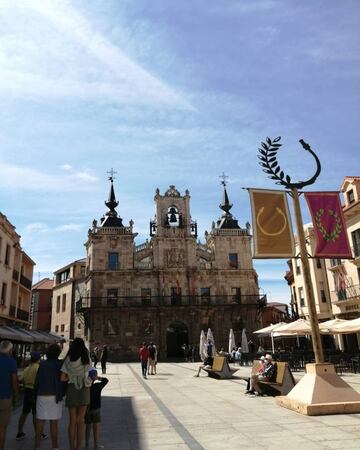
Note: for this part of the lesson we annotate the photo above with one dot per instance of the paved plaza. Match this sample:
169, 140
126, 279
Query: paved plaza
173, 410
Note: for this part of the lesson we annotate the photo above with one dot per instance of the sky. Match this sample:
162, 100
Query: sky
168, 92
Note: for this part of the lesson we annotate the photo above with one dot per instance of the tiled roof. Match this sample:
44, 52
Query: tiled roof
45, 283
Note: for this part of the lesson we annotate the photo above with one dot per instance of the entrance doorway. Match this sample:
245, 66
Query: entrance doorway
176, 337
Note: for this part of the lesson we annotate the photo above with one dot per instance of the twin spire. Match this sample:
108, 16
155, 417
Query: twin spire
112, 220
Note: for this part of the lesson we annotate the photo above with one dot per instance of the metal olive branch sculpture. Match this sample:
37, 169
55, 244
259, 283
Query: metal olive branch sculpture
268, 160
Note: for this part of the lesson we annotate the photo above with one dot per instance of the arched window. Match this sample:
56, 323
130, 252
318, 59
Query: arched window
173, 216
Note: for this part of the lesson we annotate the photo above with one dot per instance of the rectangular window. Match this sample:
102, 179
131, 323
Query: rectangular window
318, 263
63, 308
113, 261
176, 295
7, 254
355, 236
236, 294
350, 196
58, 304
233, 260
298, 266
112, 296
335, 262
62, 328
56, 328
322, 296
205, 295
145, 296
3, 294
301, 296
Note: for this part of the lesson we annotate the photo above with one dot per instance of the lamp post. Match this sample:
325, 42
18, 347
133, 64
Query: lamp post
321, 390
268, 160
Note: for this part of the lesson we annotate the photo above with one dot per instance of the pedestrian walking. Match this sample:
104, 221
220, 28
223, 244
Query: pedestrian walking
95, 356
93, 413
152, 353
49, 392
29, 400
144, 356
104, 357
8, 387
75, 370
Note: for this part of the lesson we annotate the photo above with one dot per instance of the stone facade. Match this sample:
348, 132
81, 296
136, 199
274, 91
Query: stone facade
171, 287
16, 273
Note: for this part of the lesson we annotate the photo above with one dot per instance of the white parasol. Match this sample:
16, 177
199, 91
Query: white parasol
202, 346
244, 342
231, 340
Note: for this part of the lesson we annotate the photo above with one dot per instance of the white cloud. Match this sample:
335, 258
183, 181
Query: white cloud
36, 227
48, 50
69, 227
66, 167
13, 177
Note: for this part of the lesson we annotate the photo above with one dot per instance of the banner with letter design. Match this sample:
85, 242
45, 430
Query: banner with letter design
329, 225
273, 235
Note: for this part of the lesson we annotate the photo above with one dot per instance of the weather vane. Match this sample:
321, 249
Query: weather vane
223, 179
112, 173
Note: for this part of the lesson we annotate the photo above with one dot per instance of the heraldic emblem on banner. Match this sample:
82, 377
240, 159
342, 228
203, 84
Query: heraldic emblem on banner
329, 225
273, 236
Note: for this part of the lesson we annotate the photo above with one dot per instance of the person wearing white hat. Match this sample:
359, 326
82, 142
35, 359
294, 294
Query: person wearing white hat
266, 375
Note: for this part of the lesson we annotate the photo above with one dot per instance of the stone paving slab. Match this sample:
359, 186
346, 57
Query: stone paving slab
174, 411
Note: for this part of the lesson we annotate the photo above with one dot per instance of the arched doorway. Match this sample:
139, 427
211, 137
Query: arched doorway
176, 336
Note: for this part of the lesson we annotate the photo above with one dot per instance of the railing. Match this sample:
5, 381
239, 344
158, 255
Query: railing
230, 232
25, 282
15, 275
143, 246
22, 315
143, 265
255, 301
349, 293
113, 230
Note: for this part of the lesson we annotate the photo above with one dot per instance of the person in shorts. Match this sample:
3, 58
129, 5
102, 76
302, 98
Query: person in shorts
93, 413
8, 387
29, 401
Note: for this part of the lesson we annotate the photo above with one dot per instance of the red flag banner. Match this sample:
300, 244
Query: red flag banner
329, 225
273, 236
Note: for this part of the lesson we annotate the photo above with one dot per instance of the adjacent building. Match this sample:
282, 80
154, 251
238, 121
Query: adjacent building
170, 287
67, 286
41, 305
336, 282
16, 273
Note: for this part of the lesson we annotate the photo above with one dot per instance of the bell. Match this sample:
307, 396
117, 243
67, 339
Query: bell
173, 217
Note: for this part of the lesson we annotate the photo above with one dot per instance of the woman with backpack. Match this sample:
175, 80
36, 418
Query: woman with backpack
75, 370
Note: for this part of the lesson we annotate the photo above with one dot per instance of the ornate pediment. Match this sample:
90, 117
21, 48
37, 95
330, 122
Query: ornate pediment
172, 192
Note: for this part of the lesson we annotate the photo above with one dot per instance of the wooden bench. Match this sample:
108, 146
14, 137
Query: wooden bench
220, 369
283, 381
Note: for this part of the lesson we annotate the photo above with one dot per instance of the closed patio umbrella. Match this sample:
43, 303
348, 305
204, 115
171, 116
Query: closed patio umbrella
244, 342
231, 340
202, 346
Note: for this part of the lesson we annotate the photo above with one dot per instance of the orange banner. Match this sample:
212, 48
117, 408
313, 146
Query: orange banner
273, 235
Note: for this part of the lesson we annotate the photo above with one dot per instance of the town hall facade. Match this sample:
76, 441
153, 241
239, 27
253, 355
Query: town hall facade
169, 288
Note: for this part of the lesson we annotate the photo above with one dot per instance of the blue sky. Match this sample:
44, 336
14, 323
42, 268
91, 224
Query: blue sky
167, 92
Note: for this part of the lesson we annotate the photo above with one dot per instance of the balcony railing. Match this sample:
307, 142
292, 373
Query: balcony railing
25, 282
22, 315
255, 301
349, 293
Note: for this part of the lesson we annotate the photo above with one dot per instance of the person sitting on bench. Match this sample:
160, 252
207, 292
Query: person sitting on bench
259, 370
265, 375
208, 362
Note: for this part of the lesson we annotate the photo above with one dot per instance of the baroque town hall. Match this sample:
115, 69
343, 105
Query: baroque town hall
171, 287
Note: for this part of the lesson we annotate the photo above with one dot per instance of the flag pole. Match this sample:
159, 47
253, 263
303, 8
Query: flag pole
320, 390
314, 323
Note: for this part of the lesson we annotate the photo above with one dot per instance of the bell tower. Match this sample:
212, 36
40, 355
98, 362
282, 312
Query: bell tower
173, 231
